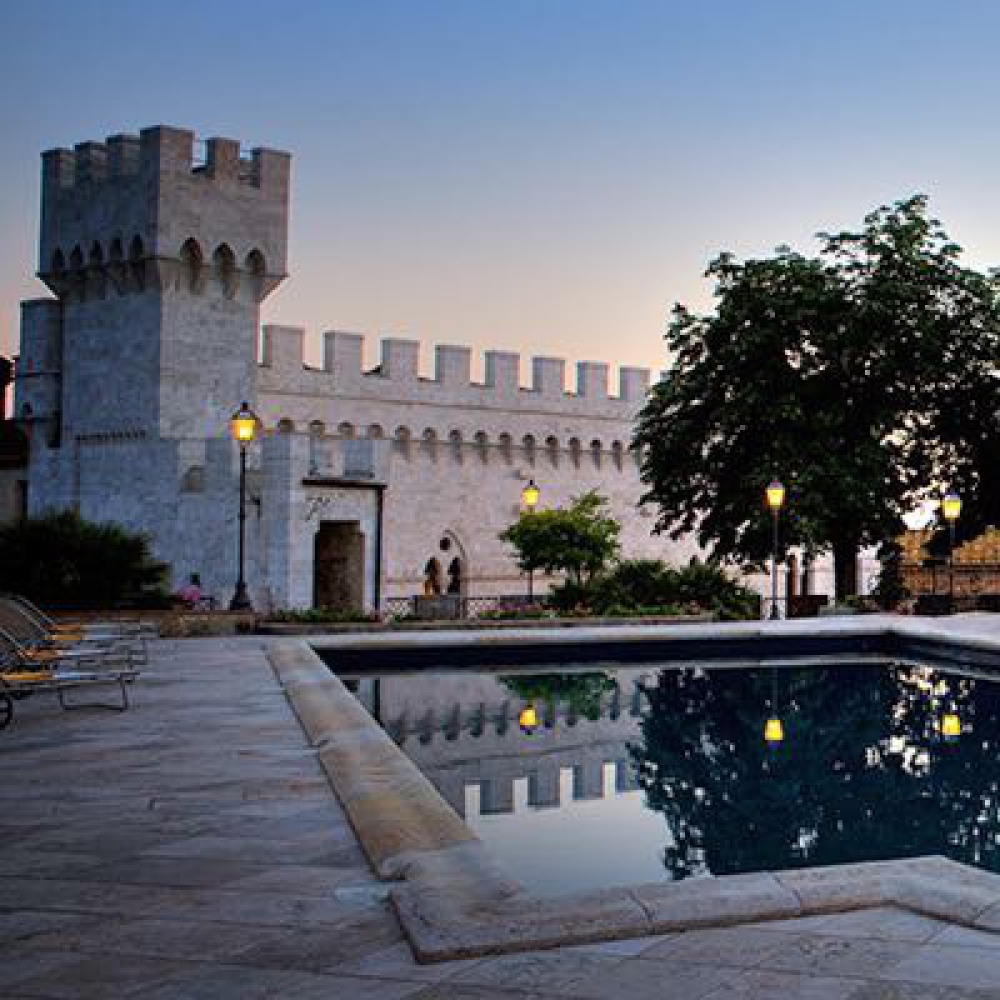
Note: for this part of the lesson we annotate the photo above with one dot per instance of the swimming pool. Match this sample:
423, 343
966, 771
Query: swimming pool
636, 773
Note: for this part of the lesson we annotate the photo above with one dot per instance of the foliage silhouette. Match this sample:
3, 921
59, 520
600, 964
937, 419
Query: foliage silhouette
862, 773
647, 583
582, 692
63, 561
863, 378
578, 540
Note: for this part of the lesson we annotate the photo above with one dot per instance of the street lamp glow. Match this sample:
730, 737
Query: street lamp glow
951, 726
530, 495
775, 495
528, 719
774, 730
951, 507
243, 424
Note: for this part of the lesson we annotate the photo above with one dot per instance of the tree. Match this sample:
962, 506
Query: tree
578, 540
838, 374
63, 561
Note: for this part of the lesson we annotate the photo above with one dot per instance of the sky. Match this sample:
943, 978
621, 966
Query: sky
546, 176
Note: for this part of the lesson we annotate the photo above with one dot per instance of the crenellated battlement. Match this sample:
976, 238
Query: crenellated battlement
159, 259
397, 375
157, 151
131, 203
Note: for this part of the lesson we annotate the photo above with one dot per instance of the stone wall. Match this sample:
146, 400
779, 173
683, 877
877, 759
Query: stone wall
460, 452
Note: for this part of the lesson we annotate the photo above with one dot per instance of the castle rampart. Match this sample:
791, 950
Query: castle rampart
396, 377
367, 477
450, 415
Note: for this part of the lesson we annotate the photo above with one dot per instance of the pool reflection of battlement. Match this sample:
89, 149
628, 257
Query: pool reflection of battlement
544, 781
499, 718
463, 733
549, 785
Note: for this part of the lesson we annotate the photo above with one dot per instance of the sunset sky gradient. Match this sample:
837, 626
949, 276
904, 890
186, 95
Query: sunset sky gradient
546, 176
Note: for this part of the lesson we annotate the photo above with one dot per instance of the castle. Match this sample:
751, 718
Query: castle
363, 486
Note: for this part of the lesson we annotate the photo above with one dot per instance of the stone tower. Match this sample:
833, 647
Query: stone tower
159, 265
158, 261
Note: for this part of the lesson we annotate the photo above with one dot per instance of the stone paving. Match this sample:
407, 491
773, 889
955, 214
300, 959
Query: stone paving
190, 848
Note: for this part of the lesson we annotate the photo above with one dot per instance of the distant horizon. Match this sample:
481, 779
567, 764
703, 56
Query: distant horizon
546, 179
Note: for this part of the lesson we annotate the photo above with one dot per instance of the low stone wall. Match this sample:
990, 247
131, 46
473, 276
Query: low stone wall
171, 624
472, 624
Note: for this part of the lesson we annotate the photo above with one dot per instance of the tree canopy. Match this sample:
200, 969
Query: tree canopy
862, 378
578, 540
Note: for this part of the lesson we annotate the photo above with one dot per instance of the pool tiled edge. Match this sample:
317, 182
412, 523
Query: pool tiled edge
453, 903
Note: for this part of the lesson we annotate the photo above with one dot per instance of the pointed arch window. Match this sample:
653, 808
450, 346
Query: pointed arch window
224, 266
137, 264
256, 268
192, 266
552, 450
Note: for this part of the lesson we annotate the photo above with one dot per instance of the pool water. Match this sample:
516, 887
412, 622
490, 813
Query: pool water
639, 774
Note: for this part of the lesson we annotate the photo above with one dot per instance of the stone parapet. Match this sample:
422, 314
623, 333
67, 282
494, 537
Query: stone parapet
396, 377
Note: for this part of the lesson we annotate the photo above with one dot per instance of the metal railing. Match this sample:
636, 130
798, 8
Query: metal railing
444, 607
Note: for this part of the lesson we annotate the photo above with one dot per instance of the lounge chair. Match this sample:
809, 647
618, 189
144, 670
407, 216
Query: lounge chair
111, 628
24, 672
43, 638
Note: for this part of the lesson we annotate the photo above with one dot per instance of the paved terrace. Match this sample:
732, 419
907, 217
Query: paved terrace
191, 848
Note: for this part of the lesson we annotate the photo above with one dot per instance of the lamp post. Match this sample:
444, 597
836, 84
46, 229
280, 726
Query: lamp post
951, 507
529, 497
775, 494
243, 425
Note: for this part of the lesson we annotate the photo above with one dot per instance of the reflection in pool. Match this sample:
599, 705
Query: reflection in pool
632, 775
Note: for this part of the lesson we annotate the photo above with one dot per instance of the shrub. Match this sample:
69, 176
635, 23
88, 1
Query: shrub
635, 583
709, 587
569, 597
650, 586
63, 561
